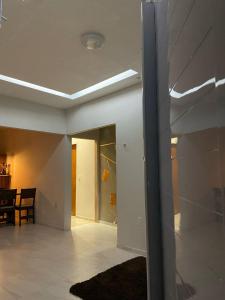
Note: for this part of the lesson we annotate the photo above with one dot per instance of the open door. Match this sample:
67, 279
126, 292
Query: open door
84, 178
74, 167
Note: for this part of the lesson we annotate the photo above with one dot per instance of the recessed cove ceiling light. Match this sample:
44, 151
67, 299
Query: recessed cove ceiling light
92, 40
32, 86
90, 90
103, 84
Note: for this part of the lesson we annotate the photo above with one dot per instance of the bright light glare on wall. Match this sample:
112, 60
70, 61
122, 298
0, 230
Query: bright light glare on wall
174, 141
195, 89
211, 81
94, 88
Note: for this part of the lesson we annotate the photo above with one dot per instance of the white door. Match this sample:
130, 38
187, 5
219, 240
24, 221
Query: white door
86, 178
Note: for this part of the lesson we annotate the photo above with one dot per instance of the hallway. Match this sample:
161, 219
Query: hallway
38, 262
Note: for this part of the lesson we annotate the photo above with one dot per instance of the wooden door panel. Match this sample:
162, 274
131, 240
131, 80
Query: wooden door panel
74, 162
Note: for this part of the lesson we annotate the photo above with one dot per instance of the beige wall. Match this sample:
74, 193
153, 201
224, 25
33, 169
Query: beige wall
39, 160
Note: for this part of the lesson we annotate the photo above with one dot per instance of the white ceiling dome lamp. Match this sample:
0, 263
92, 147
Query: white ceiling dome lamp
92, 40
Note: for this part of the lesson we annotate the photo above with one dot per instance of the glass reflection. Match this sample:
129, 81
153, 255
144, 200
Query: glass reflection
197, 90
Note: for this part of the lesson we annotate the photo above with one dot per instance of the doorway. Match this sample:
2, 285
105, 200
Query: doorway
94, 177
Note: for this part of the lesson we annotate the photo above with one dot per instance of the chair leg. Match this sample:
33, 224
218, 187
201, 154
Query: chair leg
33, 216
19, 217
8, 217
13, 217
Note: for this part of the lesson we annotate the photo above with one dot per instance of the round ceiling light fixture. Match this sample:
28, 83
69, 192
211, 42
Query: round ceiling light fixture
92, 40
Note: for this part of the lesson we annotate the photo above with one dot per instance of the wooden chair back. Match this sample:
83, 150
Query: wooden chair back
7, 197
28, 194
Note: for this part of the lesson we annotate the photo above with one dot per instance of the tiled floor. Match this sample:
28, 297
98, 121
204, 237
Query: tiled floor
38, 262
79, 221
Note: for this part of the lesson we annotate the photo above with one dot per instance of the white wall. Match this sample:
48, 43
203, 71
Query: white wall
85, 178
17, 113
125, 110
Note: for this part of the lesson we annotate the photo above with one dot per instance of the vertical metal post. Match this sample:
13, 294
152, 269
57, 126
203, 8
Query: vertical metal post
1, 11
152, 160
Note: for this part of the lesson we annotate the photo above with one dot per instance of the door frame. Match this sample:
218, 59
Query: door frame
74, 179
97, 164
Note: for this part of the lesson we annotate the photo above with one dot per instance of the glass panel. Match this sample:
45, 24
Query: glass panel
197, 120
107, 140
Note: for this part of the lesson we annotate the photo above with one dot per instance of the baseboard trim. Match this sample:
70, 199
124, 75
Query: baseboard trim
107, 223
133, 250
51, 226
84, 218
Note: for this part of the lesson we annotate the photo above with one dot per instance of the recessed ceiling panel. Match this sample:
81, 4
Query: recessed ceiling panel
40, 42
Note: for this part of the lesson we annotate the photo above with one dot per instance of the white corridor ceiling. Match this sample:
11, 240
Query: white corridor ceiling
40, 44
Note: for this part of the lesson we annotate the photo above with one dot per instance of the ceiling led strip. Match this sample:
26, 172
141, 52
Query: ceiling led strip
93, 41
90, 90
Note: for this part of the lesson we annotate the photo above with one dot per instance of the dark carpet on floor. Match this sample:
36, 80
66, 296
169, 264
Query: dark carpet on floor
127, 281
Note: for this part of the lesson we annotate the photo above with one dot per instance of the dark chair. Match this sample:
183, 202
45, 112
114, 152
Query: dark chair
7, 205
26, 203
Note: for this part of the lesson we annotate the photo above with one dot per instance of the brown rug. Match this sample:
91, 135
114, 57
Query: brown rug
127, 281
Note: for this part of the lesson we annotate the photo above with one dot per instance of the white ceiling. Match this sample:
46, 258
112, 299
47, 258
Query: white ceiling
40, 44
